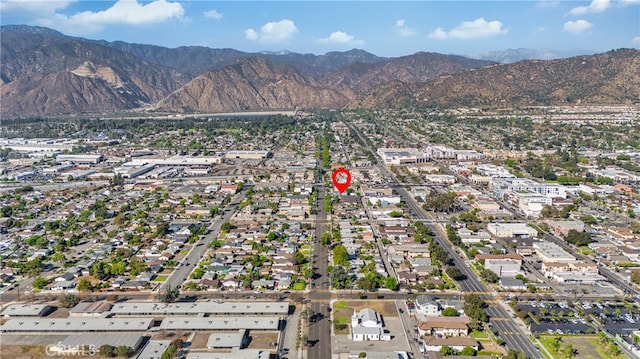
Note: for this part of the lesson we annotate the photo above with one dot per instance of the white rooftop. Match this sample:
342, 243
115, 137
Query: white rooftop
25, 310
234, 354
76, 324
223, 308
220, 322
154, 349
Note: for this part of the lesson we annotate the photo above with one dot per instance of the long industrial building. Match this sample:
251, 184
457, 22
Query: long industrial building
77, 325
200, 308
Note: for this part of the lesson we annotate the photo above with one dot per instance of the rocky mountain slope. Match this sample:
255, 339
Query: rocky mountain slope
44, 72
47, 73
608, 78
196, 60
252, 84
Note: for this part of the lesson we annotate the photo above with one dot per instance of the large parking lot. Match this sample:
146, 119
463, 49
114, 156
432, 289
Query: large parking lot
581, 317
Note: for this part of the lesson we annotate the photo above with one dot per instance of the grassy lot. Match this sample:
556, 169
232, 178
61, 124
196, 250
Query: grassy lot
341, 317
160, 278
305, 249
299, 286
586, 345
341, 304
478, 335
594, 342
587, 251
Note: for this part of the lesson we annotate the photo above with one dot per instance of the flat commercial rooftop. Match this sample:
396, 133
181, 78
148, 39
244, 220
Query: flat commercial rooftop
220, 323
227, 339
76, 324
234, 354
222, 308
26, 310
98, 340
154, 349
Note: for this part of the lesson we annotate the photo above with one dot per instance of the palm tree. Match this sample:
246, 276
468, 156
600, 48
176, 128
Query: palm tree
617, 312
570, 351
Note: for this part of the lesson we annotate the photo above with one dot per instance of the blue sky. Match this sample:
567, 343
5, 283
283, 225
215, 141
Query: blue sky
384, 28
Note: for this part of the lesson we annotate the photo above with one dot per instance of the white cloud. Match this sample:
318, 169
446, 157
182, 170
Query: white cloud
251, 34
630, 2
404, 30
273, 32
212, 14
594, 7
124, 12
34, 6
577, 27
340, 37
470, 30
636, 41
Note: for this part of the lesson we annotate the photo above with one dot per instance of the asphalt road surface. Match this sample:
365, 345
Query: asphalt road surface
319, 329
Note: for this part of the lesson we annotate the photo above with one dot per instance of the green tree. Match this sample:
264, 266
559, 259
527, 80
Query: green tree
455, 273
225, 227
441, 202
474, 307
578, 239
299, 258
170, 295
40, 283
325, 239
370, 282
107, 351
340, 255
391, 283
449, 312
162, 229
84, 285
469, 351
100, 270
447, 350
123, 351
197, 273
514, 354
340, 279
68, 300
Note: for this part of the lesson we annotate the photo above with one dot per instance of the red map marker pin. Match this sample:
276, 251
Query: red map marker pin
341, 185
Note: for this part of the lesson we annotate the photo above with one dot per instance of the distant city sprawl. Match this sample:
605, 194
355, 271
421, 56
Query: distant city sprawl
508, 233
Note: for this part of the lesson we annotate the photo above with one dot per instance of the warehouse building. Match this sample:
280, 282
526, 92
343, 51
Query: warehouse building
79, 159
27, 310
77, 325
220, 322
85, 343
247, 155
200, 308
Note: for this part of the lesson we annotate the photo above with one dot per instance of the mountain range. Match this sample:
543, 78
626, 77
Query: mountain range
46, 73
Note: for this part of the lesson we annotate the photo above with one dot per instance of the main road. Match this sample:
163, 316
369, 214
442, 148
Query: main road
320, 329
